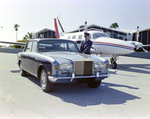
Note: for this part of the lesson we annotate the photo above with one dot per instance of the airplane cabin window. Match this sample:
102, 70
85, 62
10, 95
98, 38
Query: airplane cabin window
80, 37
74, 37
69, 37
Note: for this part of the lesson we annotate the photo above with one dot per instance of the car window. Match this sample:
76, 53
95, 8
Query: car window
34, 46
57, 45
28, 48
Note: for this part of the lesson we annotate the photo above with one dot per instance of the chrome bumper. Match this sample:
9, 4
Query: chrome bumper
73, 77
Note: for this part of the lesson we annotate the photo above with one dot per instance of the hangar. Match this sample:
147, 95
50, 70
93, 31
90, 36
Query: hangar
113, 33
45, 33
144, 36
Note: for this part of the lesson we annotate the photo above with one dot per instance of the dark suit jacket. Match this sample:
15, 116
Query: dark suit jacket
85, 47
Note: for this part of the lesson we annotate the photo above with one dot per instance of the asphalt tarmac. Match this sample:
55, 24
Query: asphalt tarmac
124, 95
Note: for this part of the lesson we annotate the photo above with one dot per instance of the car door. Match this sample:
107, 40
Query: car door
34, 58
25, 57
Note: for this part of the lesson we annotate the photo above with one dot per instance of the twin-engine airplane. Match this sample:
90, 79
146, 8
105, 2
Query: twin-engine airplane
102, 44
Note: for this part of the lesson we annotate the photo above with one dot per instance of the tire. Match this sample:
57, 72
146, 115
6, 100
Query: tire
94, 84
46, 85
114, 65
22, 72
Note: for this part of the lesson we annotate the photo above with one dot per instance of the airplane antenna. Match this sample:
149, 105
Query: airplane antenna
137, 36
60, 25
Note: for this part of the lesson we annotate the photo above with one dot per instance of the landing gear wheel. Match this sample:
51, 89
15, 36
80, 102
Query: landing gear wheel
46, 85
94, 84
22, 72
114, 65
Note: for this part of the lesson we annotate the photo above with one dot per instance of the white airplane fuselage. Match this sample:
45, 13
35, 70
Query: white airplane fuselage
104, 44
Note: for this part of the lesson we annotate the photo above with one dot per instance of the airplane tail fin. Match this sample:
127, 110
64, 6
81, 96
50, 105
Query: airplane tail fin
85, 26
56, 29
137, 35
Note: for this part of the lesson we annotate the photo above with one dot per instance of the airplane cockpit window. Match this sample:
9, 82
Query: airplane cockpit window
105, 35
98, 35
74, 37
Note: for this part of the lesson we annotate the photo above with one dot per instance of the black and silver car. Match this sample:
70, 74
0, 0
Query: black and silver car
57, 61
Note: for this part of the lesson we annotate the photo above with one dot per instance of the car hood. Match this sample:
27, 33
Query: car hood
63, 57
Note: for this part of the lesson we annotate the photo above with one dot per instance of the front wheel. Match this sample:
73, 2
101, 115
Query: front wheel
46, 85
94, 84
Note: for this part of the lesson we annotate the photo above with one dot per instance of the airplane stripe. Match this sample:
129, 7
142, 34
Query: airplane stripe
113, 45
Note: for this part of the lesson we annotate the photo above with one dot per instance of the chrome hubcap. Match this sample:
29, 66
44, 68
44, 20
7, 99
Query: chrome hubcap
43, 79
20, 68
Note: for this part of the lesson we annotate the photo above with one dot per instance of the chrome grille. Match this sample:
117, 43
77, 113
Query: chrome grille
83, 67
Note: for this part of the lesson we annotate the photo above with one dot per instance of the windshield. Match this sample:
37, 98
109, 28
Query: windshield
57, 45
97, 35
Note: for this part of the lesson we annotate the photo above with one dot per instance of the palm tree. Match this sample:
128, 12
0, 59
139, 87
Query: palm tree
29, 35
16, 29
114, 25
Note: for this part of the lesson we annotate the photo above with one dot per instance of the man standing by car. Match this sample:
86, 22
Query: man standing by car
86, 44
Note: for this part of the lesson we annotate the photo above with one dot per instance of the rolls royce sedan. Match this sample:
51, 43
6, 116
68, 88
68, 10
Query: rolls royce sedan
57, 61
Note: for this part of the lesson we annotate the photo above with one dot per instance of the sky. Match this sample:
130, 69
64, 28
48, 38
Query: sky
35, 15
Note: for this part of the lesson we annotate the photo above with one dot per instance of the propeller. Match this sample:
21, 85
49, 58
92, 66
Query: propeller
145, 50
140, 45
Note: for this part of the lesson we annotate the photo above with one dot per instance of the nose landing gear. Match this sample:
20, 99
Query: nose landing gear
113, 61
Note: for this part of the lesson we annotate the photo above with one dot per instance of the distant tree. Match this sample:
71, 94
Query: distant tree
114, 25
28, 35
81, 26
18, 46
16, 29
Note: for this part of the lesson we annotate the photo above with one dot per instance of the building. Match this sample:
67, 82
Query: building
113, 33
144, 36
45, 33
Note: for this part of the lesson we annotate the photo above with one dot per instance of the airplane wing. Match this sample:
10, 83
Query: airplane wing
16, 43
146, 46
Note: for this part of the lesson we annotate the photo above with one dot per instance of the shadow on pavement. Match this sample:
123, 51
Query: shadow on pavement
138, 68
82, 95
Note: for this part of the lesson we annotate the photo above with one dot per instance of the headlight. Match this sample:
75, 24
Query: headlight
99, 65
102, 65
96, 66
62, 67
65, 67
68, 66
